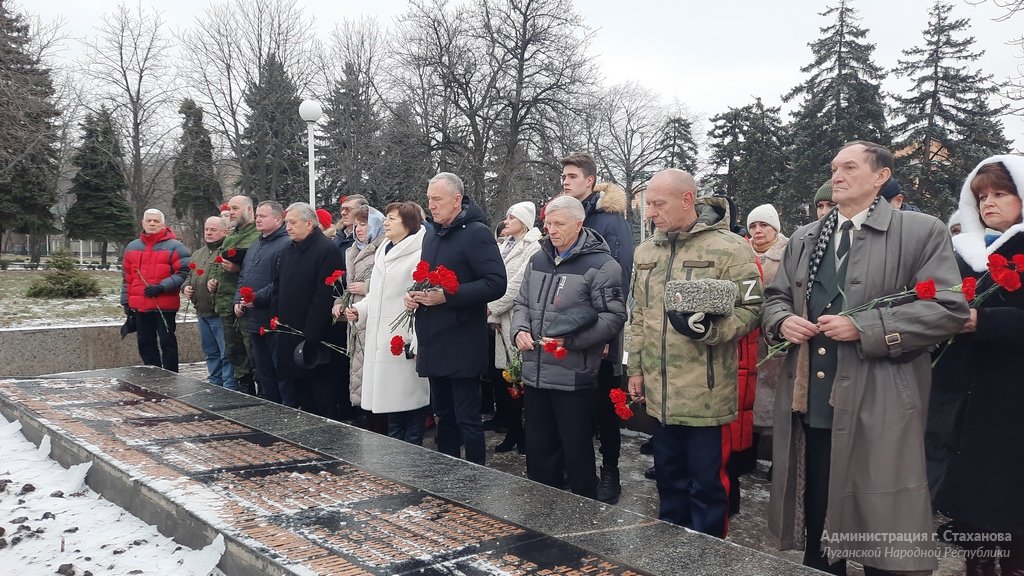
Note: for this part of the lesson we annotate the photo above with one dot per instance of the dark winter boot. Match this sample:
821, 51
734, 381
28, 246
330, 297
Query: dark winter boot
608, 488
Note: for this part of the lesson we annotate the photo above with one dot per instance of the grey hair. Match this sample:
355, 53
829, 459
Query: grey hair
219, 219
454, 183
154, 211
275, 207
304, 211
568, 204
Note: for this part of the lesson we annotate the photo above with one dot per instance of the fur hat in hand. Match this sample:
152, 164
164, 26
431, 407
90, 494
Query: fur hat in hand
765, 213
708, 295
525, 212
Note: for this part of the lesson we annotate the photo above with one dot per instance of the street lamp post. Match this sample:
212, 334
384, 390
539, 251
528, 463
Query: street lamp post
310, 112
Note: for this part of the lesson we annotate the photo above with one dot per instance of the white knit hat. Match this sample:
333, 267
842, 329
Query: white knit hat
765, 213
954, 220
525, 212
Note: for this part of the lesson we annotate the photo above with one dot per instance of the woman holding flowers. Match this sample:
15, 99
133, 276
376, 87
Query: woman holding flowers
359, 263
518, 246
390, 384
975, 437
572, 271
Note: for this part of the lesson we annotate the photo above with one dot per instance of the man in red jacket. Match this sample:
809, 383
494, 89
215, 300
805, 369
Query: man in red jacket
155, 266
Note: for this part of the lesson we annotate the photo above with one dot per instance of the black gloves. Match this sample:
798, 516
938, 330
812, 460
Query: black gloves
127, 310
153, 290
696, 325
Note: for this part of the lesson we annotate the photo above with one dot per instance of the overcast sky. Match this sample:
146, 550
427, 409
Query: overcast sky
707, 55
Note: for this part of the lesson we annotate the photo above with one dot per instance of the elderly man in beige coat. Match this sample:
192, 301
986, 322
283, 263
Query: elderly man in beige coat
849, 466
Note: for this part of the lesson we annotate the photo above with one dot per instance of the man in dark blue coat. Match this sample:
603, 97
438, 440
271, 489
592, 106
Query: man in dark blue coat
451, 329
605, 206
258, 274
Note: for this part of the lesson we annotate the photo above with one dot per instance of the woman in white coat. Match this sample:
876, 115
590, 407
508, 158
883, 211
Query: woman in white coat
520, 244
390, 383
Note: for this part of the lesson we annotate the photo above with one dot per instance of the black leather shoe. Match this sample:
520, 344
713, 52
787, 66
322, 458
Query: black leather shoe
651, 474
647, 448
608, 488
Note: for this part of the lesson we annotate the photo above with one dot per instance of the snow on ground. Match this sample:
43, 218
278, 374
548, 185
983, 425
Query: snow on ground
52, 523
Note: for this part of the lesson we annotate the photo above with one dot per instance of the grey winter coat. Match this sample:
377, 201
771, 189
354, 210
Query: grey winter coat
878, 483
587, 276
359, 266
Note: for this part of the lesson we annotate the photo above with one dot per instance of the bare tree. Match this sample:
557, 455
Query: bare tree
129, 62
225, 51
629, 143
539, 47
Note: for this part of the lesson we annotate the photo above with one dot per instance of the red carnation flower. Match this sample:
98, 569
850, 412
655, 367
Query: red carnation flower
925, 290
560, 353
623, 411
247, 294
225, 208
200, 272
263, 331
273, 323
218, 260
232, 252
617, 396
970, 288
1006, 278
1018, 262
191, 265
514, 392
397, 345
550, 346
997, 261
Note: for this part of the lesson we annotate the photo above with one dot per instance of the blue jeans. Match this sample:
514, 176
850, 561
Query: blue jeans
693, 487
211, 336
264, 358
408, 425
456, 403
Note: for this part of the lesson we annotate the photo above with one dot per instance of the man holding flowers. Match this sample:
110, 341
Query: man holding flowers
211, 333
855, 390
451, 329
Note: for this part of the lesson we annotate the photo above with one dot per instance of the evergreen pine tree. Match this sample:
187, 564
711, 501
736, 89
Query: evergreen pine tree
405, 165
100, 212
28, 135
680, 149
274, 139
762, 161
840, 101
197, 192
946, 125
350, 151
725, 147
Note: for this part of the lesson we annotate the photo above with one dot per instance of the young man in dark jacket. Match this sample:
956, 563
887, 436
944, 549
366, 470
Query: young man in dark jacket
258, 275
605, 207
155, 266
451, 329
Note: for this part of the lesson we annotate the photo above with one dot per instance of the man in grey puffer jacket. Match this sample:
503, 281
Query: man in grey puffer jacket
573, 269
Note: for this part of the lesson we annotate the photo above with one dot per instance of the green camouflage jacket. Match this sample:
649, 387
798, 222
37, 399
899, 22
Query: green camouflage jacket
686, 381
239, 238
205, 270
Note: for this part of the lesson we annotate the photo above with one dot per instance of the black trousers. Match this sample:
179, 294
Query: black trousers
608, 423
818, 451
317, 395
559, 439
456, 404
509, 411
154, 325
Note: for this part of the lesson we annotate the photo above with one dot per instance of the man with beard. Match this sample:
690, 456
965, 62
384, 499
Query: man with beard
232, 254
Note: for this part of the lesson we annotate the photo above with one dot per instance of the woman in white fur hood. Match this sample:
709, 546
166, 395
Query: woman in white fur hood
974, 435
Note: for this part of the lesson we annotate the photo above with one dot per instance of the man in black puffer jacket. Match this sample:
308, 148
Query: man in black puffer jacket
451, 329
258, 274
572, 272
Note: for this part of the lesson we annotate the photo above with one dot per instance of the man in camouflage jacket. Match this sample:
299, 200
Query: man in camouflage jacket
684, 366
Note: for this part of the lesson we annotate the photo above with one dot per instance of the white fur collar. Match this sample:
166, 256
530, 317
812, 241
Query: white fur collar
970, 244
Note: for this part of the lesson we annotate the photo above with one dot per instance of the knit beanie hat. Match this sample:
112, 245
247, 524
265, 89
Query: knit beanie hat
954, 220
324, 217
824, 193
525, 212
891, 189
765, 213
